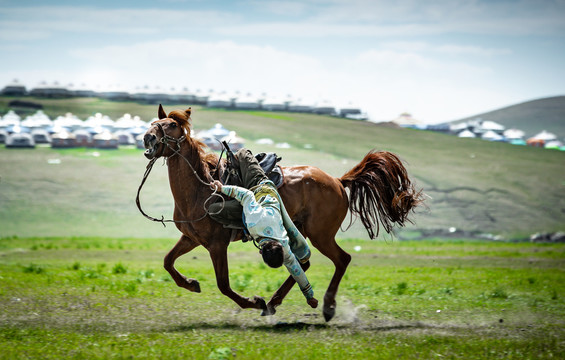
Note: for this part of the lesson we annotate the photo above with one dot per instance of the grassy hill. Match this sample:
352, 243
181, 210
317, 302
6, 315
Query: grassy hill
531, 116
474, 185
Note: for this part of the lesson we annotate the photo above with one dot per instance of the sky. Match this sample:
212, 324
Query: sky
438, 60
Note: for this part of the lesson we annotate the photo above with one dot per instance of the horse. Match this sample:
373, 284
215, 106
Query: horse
381, 194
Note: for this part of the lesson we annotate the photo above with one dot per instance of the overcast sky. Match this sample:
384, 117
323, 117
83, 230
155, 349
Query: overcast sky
438, 60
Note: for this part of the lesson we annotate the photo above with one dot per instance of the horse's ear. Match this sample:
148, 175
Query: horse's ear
189, 119
161, 113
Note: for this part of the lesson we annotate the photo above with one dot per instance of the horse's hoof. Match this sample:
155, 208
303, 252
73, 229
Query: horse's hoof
268, 311
193, 285
329, 312
260, 301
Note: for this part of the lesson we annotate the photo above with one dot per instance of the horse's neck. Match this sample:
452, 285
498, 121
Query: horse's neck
185, 185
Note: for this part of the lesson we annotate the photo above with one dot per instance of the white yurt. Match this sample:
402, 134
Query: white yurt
545, 136
274, 104
324, 108
248, 102
20, 140
235, 142
222, 100
467, 134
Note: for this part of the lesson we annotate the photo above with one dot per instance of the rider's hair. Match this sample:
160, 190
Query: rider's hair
272, 253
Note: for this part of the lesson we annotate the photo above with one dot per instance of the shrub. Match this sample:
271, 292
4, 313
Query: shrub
119, 269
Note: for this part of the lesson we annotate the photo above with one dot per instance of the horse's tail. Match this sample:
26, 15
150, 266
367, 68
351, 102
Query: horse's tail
381, 192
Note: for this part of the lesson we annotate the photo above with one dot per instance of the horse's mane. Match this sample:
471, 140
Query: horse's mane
208, 160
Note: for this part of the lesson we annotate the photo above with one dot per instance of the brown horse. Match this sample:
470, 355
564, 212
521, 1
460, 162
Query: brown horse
380, 192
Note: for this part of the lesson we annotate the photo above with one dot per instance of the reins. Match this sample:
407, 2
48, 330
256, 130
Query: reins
165, 141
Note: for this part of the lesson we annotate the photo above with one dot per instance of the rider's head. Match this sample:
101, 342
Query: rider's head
272, 253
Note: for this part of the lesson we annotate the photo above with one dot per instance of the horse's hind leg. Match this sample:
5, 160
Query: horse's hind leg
341, 260
184, 245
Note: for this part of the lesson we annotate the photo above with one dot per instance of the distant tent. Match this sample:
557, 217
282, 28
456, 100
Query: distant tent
513, 134
124, 137
349, 109
466, 134
324, 108
63, 139
218, 131
235, 142
488, 125
20, 140
222, 100
491, 135
406, 120
300, 105
105, 140
247, 102
274, 104
545, 136
14, 89
41, 136
83, 137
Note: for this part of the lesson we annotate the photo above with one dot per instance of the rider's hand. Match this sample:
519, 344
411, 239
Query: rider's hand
216, 185
313, 302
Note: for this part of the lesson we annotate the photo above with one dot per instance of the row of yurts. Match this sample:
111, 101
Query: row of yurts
98, 131
211, 98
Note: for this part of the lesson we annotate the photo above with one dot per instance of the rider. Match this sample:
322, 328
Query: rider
264, 217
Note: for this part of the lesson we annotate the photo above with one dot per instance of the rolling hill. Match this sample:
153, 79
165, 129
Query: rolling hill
474, 186
531, 116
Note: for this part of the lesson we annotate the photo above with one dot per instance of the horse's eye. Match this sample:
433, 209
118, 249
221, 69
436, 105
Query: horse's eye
173, 125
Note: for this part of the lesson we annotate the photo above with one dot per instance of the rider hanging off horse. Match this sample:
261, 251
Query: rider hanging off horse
264, 218
316, 203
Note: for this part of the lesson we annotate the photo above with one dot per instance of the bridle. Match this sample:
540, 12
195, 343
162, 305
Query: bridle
165, 140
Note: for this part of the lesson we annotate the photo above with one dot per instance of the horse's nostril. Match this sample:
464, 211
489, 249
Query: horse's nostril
149, 139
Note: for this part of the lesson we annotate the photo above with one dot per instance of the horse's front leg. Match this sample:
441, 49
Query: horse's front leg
281, 293
184, 245
219, 256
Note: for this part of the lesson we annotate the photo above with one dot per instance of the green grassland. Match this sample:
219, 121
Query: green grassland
101, 298
474, 185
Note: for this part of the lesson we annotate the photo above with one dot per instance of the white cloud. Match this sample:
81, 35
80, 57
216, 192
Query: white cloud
384, 83
50, 20
221, 65
448, 49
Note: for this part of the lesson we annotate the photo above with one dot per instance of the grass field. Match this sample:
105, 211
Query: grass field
101, 298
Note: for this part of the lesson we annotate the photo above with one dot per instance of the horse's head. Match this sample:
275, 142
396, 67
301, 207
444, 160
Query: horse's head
165, 134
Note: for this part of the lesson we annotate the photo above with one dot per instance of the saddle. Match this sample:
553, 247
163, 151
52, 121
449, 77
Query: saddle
267, 161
